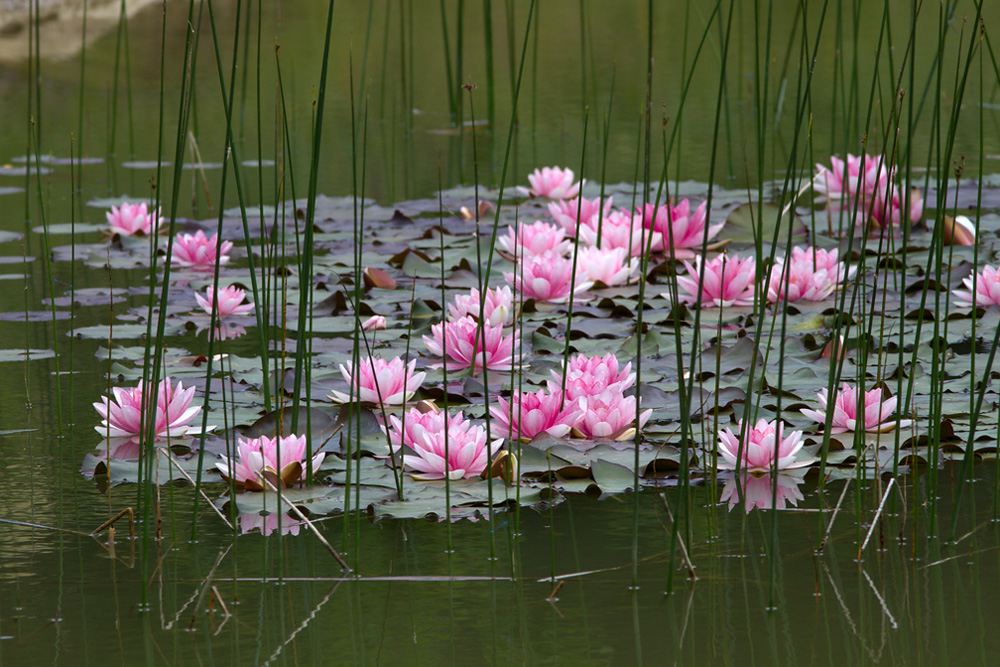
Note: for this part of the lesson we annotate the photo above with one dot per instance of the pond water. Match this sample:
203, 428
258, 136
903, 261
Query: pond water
574, 565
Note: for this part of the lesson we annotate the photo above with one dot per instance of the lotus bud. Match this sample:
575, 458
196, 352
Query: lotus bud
834, 349
374, 322
375, 277
958, 231
427, 405
504, 466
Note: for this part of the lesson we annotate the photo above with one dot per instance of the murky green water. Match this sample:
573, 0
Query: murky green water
763, 594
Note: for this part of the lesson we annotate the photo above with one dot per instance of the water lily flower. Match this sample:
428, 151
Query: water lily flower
230, 300
280, 461
765, 447
462, 342
534, 239
811, 274
682, 232
861, 175
762, 492
887, 208
728, 281
373, 323
406, 430
609, 414
987, 289
826, 260
122, 416
465, 451
796, 281
621, 230
591, 376
266, 524
381, 382
527, 414
547, 277
133, 220
497, 311
607, 266
877, 412
554, 183
200, 252
589, 212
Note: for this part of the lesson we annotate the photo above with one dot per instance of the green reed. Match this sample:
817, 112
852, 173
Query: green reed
885, 116
306, 270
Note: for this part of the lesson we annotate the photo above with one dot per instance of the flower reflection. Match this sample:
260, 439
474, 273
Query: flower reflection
764, 492
266, 524
225, 330
123, 449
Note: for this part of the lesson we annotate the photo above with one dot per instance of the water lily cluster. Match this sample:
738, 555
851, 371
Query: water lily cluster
586, 401
576, 248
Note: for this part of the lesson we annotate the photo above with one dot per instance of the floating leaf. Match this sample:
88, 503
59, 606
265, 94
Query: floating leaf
754, 220
25, 355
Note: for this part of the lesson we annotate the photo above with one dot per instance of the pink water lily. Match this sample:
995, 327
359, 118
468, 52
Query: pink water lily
406, 430
463, 452
887, 209
861, 175
622, 230
498, 310
794, 281
589, 212
864, 189
762, 492
133, 220
278, 461
590, 376
230, 299
728, 281
609, 414
374, 323
553, 182
461, 342
682, 232
548, 277
811, 274
123, 415
381, 382
826, 260
765, 447
200, 252
983, 290
876, 416
529, 413
266, 524
534, 239
610, 267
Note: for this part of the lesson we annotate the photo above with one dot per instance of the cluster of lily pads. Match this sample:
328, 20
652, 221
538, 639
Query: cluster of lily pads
582, 412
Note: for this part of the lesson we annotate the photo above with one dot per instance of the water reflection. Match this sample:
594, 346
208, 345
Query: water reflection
224, 331
266, 524
763, 491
